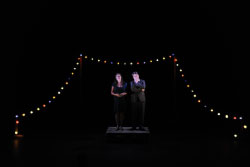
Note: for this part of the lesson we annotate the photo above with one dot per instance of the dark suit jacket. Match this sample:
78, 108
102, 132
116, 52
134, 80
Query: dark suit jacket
136, 91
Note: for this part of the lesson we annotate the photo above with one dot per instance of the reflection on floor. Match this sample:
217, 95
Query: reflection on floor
173, 148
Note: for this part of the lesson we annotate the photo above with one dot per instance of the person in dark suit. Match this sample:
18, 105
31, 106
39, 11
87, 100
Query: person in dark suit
138, 101
118, 90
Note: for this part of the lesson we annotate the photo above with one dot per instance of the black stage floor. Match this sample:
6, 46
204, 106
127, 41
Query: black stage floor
169, 148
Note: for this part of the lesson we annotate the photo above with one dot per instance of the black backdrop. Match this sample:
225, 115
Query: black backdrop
53, 35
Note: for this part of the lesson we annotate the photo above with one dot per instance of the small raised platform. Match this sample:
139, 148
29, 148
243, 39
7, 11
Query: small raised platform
127, 135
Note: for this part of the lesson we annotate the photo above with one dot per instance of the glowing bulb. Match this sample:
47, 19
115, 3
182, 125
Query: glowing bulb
125, 63
31, 112
188, 86
16, 132
23, 114
66, 83
81, 55
105, 61
235, 118
111, 62
226, 116
85, 57
245, 126
177, 65
138, 62
157, 59
205, 106
218, 114
175, 60
16, 116
182, 75
38, 109
44, 105
78, 58
72, 73
144, 62
235, 135
118, 63
54, 97
195, 95
49, 101
17, 122
192, 91
212, 110
77, 63
62, 88
163, 58
74, 68
151, 61
170, 57
59, 92
240, 118
199, 101
180, 70
92, 58
98, 60
131, 63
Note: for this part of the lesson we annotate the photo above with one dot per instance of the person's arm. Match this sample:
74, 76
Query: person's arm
112, 92
143, 86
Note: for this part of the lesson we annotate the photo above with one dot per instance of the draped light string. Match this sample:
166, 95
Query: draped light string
179, 72
123, 63
52, 99
197, 99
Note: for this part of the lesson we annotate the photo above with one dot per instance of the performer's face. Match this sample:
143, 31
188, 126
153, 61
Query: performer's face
118, 77
136, 77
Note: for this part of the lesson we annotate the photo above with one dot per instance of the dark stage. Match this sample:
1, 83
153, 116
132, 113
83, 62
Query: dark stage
194, 86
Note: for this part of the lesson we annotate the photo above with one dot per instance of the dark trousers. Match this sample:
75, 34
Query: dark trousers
138, 112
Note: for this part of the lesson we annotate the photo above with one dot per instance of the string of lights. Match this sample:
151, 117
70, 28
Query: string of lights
51, 99
179, 72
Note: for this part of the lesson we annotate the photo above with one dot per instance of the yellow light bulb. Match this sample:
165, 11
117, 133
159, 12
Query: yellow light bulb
31, 112
245, 126
226, 116
16, 132
212, 110
23, 114
188, 86
164, 58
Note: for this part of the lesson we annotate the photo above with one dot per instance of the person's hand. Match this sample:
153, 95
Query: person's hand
122, 94
117, 95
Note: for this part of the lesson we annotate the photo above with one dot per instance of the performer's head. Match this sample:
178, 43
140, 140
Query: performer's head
118, 78
135, 75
